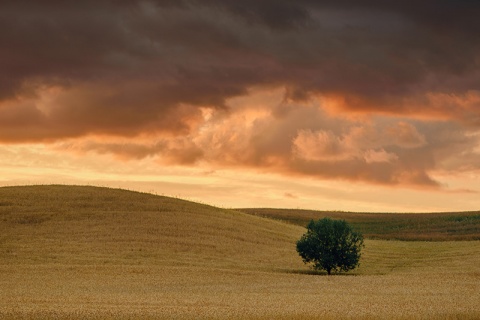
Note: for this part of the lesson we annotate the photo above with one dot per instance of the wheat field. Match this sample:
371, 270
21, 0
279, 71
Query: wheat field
95, 253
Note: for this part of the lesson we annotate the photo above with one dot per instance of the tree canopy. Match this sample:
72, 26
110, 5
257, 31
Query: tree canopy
331, 245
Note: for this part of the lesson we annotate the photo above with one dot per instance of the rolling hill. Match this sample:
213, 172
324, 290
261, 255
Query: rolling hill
112, 226
76, 252
445, 226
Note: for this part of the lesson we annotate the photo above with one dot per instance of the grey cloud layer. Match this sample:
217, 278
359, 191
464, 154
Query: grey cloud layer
127, 68
205, 51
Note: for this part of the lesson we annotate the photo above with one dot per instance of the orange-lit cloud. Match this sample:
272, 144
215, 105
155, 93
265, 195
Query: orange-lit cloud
380, 92
302, 140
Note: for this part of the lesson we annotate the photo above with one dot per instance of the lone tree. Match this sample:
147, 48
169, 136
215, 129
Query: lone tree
330, 245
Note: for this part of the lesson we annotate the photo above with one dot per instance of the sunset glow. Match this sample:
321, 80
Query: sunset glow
327, 105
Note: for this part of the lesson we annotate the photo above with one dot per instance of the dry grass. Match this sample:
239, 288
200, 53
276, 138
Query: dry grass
92, 253
187, 293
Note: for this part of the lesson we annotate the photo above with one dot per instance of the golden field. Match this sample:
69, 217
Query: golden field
95, 253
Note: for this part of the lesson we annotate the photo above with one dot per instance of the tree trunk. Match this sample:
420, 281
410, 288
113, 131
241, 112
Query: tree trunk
329, 271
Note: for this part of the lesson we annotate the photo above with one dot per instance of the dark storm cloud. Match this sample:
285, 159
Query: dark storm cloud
375, 54
144, 68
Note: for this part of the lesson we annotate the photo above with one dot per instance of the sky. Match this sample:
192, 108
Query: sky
331, 105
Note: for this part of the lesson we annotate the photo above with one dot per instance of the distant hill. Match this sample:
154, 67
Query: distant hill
445, 226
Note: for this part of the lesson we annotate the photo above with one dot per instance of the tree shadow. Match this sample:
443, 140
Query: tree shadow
311, 272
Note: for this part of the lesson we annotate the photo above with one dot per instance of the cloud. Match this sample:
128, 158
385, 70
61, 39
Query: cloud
349, 90
373, 156
290, 195
320, 145
304, 141
307, 142
373, 57
405, 135
364, 141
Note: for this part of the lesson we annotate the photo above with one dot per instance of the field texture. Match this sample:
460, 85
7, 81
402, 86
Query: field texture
95, 253
390, 226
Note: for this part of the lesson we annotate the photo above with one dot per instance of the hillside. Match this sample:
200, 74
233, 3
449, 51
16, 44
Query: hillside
112, 226
71, 252
447, 226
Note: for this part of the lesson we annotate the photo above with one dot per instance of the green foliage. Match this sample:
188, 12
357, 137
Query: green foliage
331, 245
